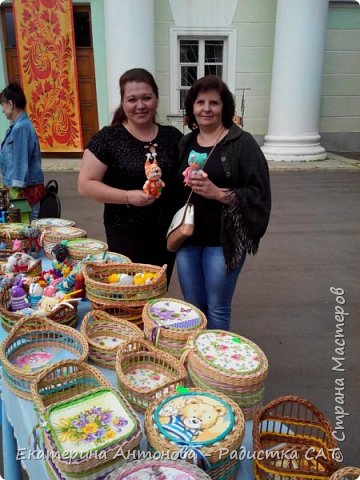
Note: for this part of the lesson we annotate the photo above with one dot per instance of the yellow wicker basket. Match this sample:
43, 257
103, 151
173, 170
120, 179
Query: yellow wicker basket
12, 231
104, 333
50, 236
293, 440
146, 373
32, 345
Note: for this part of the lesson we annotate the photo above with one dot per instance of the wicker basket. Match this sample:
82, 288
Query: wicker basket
50, 236
145, 373
229, 364
211, 440
79, 248
64, 314
297, 440
13, 231
43, 223
107, 257
73, 390
168, 323
34, 343
33, 271
125, 301
164, 469
105, 333
346, 473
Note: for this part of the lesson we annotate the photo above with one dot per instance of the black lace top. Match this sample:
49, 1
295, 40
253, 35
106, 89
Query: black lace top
125, 158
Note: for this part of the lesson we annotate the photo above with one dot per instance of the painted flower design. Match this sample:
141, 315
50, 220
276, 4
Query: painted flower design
33, 360
96, 425
145, 377
228, 352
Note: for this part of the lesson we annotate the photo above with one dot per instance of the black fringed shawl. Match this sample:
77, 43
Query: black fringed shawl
245, 220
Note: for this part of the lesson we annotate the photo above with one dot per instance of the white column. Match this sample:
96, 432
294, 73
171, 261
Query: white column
130, 41
293, 132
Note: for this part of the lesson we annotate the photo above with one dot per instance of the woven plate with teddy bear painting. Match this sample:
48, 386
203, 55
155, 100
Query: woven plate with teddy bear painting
200, 426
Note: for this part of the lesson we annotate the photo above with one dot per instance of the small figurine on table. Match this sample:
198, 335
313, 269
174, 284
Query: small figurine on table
59, 255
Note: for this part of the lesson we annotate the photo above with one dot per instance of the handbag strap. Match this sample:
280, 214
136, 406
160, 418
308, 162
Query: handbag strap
207, 158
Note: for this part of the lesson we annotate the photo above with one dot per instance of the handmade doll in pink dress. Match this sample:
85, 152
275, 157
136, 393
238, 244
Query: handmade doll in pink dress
196, 162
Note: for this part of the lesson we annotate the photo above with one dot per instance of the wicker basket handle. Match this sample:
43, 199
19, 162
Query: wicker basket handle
135, 345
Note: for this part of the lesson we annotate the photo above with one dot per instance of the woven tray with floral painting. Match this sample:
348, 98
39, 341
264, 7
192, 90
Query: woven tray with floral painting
107, 257
202, 426
146, 373
104, 333
50, 236
293, 440
63, 314
169, 322
79, 248
230, 364
80, 412
33, 344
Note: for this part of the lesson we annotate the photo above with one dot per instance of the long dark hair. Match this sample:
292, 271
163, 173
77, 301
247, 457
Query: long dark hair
210, 82
133, 75
14, 93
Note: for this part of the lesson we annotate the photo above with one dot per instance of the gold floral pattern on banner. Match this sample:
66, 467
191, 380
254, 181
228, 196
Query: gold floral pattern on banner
47, 66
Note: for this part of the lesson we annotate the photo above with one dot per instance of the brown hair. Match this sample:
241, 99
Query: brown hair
14, 93
133, 75
210, 82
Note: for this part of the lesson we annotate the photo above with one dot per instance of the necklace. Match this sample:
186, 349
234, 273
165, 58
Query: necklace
207, 141
140, 134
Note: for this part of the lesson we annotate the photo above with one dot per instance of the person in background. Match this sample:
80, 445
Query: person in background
231, 197
113, 172
20, 156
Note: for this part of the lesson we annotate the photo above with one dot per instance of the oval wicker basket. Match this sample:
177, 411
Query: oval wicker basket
31, 345
79, 248
107, 257
33, 271
297, 438
43, 223
146, 373
64, 314
164, 469
104, 333
230, 364
102, 292
346, 473
209, 440
50, 236
74, 387
168, 323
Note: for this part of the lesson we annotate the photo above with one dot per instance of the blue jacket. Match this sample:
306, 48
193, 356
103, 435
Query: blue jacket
20, 157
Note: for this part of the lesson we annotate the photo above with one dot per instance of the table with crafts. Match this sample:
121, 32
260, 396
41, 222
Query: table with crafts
19, 420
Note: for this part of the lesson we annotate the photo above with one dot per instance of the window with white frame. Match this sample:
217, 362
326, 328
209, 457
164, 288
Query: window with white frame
198, 57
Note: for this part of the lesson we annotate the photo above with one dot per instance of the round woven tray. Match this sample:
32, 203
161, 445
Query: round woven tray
108, 257
346, 473
99, 290
169, 322
230, 364
164, 469
64, 314
43, 223
299, 438
79, 248
70, 381
26, 350
216, 432
50, 236
104, 333
146, 373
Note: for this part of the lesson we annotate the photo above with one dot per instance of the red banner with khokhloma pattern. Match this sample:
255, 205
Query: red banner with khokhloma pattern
47, 67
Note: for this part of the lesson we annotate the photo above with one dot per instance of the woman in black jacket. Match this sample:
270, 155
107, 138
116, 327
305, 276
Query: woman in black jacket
231, 197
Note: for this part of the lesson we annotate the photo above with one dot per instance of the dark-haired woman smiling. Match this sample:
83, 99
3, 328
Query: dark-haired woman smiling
231, 197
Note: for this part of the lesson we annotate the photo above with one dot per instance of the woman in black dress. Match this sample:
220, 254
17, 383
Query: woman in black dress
113, 172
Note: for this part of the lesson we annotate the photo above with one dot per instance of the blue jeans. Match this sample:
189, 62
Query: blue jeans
35, 209
204, 283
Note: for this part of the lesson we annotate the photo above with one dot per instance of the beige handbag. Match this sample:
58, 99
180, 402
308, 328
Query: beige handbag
181, 227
